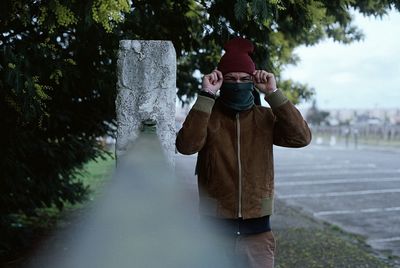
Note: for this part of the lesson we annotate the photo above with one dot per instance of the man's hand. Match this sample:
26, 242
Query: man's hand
264, 81
212, 82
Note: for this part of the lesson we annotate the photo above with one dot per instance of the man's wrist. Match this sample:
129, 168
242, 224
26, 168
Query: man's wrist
276, 99
266, 91
208, 91
271, 91
207, 94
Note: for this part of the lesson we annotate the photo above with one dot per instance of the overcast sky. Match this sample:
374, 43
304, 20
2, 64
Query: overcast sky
364, 74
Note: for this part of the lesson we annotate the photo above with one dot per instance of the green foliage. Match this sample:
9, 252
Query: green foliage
241, 9
65, 17
58, 73
109, 12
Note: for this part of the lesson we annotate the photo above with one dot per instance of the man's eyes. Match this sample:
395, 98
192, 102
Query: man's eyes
241, 79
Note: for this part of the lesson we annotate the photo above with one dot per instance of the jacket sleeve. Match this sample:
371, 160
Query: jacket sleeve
192, 136
290, 129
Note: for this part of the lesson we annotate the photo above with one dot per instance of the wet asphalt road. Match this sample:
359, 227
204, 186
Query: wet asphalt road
356, 189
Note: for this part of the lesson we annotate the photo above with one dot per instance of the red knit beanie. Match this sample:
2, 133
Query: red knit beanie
237, 57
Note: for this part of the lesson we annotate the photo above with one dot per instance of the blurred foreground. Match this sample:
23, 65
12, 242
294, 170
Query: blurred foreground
141, 220
147, 217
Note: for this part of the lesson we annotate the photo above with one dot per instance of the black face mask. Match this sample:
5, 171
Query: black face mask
237, 96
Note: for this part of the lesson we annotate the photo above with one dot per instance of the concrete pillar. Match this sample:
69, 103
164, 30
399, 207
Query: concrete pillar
146, 91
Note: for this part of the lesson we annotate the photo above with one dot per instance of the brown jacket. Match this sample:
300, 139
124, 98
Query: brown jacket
235, 161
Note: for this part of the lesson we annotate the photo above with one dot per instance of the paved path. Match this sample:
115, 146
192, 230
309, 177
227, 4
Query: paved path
359, 190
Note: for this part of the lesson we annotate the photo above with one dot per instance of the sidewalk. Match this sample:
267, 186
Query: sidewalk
303, 241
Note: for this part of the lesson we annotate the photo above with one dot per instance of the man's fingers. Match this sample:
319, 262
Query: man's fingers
269, 76
259, 79
262, 76
219, 74
265, 76
255, 76
264, 79
210, 78
215, 77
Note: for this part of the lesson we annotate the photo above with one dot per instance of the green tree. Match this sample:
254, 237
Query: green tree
316, 116
57, 75
57, 90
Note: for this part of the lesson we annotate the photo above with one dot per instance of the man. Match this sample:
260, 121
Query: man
234, 138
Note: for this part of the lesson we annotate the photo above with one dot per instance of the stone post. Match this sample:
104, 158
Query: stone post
146, 91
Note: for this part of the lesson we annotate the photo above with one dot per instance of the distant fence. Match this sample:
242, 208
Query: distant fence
372, 134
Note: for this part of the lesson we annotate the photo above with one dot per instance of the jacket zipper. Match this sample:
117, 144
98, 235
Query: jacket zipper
239, 166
